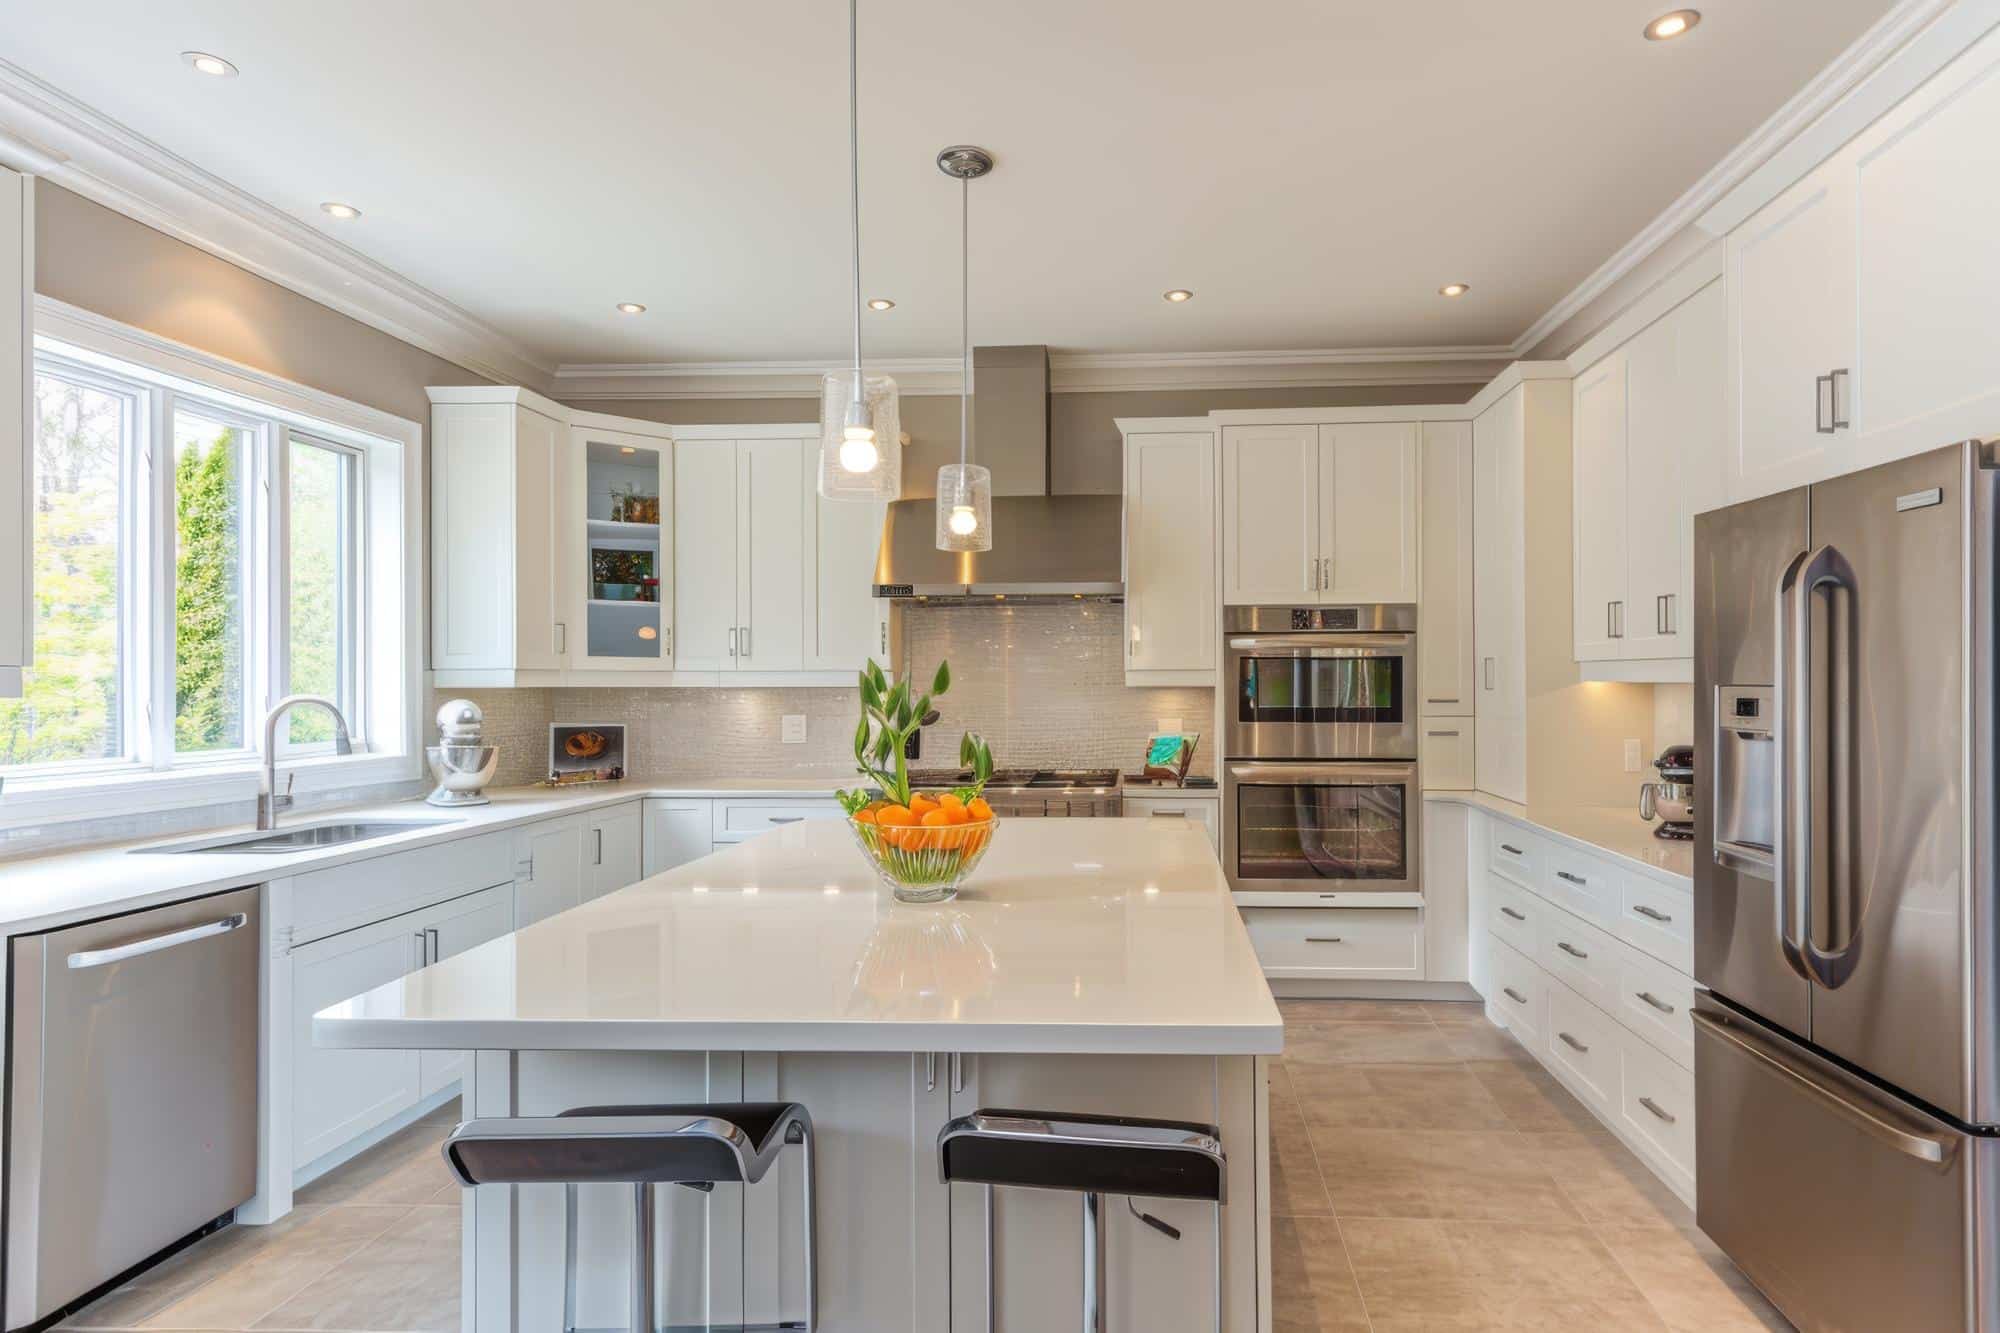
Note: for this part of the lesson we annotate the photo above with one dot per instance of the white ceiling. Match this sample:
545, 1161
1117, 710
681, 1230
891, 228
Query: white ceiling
1313, 169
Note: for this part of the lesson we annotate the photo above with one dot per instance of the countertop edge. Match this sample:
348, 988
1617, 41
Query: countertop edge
1509, 810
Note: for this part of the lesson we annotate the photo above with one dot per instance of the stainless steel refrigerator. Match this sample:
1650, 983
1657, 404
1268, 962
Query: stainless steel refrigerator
1847, 1062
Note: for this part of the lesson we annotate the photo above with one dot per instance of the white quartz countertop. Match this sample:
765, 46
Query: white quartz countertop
1612, 831
1098, 936
41, 892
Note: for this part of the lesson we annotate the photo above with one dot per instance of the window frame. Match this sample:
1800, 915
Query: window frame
383, 589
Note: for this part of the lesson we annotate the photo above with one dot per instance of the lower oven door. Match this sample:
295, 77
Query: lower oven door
1312, 827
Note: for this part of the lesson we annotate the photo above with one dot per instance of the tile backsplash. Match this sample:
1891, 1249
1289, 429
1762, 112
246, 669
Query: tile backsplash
1045, 684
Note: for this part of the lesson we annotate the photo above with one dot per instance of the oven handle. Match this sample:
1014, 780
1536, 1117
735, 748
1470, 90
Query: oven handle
1332, 643
1327, 775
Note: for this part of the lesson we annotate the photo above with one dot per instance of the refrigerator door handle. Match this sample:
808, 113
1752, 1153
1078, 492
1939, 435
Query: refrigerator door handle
1808, 804
1791, 863
1911, 1144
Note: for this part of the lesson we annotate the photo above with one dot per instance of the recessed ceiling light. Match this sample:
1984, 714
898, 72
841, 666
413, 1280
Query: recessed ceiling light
345, 212
631, 308
213, 66
1669, 26
1180, 294
881, 303
1454, 289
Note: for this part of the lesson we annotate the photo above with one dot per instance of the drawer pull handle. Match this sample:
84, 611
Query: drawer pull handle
1514, 995
1323, 939
1510, 849
1574, 879
1653, 1106
1573, 1042
1650, 914
787, 819
1440, 733
1508, 911
1571, 949
1169, 814
1655, 1001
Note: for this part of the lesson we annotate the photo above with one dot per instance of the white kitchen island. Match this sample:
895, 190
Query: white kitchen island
1092, 965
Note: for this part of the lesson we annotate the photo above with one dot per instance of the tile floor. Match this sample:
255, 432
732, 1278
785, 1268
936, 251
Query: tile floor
1428, 1176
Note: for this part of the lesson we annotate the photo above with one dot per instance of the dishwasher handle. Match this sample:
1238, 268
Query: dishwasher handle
158, 943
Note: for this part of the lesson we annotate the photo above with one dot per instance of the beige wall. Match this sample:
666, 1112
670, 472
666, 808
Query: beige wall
1083, 427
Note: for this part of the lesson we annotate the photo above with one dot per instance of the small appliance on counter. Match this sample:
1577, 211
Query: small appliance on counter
586, 752
1671, 799
462, 764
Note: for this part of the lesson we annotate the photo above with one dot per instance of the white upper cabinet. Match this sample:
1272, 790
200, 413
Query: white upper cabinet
1861, 298
1171, 626
499, 475
1270, 515
1447, 676
1319, 513
1499, 603
1599, 511
621, 489
17, 296
846, 624
742, 519
705, 554
1368, 512
1649, 444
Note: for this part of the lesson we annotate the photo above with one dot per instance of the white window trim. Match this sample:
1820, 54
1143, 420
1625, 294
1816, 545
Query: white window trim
390, 655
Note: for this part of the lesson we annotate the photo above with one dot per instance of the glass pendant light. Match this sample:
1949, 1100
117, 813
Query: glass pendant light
860, 427
964, 489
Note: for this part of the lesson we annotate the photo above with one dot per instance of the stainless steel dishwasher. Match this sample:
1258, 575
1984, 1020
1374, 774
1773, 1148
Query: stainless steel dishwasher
131, 1092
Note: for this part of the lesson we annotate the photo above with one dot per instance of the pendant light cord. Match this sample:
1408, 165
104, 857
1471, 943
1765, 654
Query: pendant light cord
964, 315
854, 177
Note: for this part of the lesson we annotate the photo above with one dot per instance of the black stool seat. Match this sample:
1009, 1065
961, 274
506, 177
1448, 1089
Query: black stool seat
663, 1144
1098, 1154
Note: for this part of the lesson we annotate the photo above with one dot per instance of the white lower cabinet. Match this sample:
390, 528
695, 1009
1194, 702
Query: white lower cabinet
338, 1096
676, 832
548, 872
1338, 943
737, 820
452, 928
1205, 811
1608, 1018
1446, 758
611, 850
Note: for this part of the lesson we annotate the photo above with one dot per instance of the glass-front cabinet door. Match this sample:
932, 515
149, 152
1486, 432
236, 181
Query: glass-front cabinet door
624, 488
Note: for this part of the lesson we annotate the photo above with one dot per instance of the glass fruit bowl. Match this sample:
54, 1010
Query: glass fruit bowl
923, 859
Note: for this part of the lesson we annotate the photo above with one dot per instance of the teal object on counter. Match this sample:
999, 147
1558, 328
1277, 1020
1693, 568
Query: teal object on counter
1165, 751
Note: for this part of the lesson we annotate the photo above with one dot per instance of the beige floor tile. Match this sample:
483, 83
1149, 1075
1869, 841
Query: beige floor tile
1395, 1096
1454, 1011
1608, 1185
1306, 1013
1296, 1187
266, 1277
1533, 1100
407, 1168
189, 1270
1312, 1284
1547, 1278
1692, 1286
1410, 1281
1485, 1041
448, 1114
1484, 1175
407, 1280
1367, 1042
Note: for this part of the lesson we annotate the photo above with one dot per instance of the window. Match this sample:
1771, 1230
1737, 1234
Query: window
200, 552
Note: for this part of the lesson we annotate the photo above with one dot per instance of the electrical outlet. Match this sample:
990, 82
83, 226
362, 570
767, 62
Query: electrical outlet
792, 729
1631, 755
1167, 726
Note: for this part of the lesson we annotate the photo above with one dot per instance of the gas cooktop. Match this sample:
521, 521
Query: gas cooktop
1022, 779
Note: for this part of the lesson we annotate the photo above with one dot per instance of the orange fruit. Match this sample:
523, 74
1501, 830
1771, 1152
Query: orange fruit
978, 808
937, 818
950, 801
920, 805
895, 816
865, 816
957, 814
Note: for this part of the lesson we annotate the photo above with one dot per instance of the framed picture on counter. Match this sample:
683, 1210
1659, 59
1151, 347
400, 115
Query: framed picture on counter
586, 752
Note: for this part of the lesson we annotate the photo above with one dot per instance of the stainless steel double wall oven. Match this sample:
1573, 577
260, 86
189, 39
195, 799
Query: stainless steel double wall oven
1320, 788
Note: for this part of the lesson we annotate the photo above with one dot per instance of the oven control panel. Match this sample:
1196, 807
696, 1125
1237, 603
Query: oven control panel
1326, 617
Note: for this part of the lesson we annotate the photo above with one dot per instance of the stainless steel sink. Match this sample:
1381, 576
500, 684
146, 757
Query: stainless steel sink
301, 837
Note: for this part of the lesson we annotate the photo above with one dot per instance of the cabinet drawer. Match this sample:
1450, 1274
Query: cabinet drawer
1582, 1046
1446, 757
1659, 920
1520, 995
1656, 1108
1656, 1002
1515, 915
737, 820
1583, 884
1580, 956
1202, 812
326, 902
1384, 943
1512, 852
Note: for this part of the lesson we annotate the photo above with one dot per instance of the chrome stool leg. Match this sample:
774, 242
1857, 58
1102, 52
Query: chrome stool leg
1093, 1263
643, 1305
569, 1259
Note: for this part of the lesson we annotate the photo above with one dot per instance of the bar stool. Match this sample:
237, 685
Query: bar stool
1094, 1155
693, 1145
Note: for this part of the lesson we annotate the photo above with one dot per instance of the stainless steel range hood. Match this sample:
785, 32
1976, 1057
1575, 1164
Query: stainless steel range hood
1044, 544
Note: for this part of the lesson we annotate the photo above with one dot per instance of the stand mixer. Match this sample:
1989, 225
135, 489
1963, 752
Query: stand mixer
460, 762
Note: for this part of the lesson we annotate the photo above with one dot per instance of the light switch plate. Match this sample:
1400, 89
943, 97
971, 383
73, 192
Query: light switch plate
1631, 755
1167, 726
792, 729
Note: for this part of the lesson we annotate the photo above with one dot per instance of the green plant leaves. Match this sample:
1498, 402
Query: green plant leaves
942, 681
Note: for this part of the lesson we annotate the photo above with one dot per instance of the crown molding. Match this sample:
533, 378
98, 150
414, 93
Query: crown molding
1824, 91
85, 151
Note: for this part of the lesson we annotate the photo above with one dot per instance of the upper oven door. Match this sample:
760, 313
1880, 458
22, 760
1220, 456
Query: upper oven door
1321, 696
1319, 827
